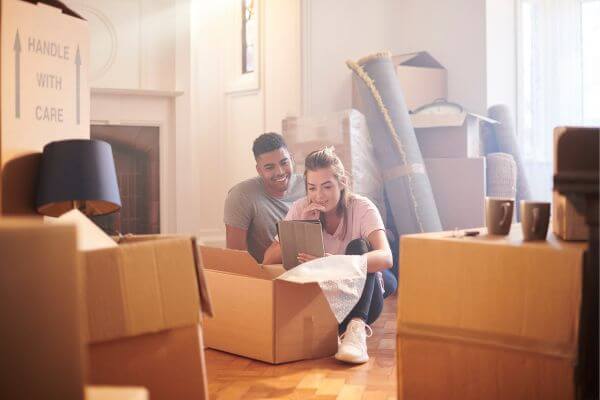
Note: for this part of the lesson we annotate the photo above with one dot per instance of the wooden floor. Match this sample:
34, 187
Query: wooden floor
232, 377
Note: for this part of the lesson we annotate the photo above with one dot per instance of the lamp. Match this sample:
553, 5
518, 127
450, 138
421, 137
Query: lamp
80, 174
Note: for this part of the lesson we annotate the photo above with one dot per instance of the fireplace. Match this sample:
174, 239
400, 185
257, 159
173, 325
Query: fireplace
137, 161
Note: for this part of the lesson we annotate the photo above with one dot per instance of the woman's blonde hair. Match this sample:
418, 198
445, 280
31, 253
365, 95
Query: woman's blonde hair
326, 158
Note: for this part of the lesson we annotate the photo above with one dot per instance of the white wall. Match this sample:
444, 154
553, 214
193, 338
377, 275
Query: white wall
333, 32
480, 68
501, 53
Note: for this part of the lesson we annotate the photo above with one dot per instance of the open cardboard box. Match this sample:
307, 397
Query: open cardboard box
260, 317
488, 317
422, 78
449, 135
144, 299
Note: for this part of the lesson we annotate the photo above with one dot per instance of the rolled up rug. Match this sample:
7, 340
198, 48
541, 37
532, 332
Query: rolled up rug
396, 148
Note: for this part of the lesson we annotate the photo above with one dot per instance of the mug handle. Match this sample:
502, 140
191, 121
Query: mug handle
536, 217
505, 207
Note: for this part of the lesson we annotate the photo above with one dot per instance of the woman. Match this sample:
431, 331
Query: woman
351, 225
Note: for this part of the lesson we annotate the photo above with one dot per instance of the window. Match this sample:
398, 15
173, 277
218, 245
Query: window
248, 35
590, 36
558, 81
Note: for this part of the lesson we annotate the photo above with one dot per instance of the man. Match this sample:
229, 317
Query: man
253, 207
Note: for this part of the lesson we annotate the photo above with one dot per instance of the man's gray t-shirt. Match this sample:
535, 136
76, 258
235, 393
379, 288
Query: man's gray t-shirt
249, 207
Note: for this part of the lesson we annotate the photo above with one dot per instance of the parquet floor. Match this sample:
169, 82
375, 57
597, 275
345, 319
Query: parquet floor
233, 377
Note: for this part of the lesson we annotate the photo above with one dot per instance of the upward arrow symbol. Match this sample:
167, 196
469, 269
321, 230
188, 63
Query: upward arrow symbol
78, 85
17, 50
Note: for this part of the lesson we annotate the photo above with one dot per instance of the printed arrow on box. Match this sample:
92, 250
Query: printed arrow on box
78, 95
17, 49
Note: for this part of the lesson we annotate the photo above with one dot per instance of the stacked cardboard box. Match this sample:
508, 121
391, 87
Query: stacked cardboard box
42, 352
44, 91
260, 317
144, 300
449, 143
347, 132
488, 317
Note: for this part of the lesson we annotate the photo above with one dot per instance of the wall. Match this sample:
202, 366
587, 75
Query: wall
334, 32
473, 39
501, 53
186, 52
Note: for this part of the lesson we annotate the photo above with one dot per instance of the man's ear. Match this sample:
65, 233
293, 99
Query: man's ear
257, 170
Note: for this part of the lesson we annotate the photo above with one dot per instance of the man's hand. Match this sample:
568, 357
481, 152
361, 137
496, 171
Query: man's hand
303, 257
311, 211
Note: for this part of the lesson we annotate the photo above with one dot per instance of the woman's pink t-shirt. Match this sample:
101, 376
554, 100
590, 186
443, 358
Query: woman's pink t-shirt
363, 219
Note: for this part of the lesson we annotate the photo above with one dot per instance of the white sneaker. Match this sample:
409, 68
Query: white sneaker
353, 345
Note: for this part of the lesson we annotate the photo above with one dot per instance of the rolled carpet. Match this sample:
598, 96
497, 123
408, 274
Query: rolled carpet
396, 148
506, 142
500, 175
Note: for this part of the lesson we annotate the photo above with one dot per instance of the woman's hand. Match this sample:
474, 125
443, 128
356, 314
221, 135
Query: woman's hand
303, 257
311, 211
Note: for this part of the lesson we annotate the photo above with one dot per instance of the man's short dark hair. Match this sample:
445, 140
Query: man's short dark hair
267, 142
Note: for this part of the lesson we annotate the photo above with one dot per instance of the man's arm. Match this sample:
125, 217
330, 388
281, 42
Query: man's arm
236, 238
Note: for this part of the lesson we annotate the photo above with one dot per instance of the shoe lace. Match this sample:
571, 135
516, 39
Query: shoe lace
354, 335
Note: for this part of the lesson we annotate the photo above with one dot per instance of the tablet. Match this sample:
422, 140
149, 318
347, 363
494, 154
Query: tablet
299, 237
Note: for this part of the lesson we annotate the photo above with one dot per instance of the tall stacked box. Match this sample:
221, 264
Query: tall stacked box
44, 92
347, 131
488, 317
144, 300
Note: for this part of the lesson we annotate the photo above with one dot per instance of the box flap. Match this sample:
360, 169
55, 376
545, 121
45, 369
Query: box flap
236, 262
503, 291
418, 59
440, 120
141, 288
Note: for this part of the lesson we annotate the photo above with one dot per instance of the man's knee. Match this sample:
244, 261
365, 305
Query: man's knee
357, 247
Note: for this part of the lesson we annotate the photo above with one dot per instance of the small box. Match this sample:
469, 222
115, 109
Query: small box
458, 186
488, 317
567, 222
115, 393
260, 317
41, 347
449, 135
422, 78
144, 300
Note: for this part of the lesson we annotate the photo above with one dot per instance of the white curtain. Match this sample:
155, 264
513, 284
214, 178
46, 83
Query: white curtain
549, 82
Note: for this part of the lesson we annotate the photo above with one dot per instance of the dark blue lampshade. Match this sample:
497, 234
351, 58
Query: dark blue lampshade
78, 174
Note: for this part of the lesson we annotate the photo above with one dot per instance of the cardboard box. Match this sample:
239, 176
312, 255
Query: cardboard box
42, 353
347, 131
260, 317
44, 92
422, 78
567, 222
458, 186
449, 135
170, 363
115, 393
144, 300
489, 316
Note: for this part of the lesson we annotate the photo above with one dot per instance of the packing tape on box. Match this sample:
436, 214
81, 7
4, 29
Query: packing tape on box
511, 342
308, 335
403, 170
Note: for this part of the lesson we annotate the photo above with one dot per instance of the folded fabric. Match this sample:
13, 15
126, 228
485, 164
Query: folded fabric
340, 277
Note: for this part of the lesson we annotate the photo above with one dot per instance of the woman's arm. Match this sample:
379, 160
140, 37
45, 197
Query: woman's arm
380, 257
273, 254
